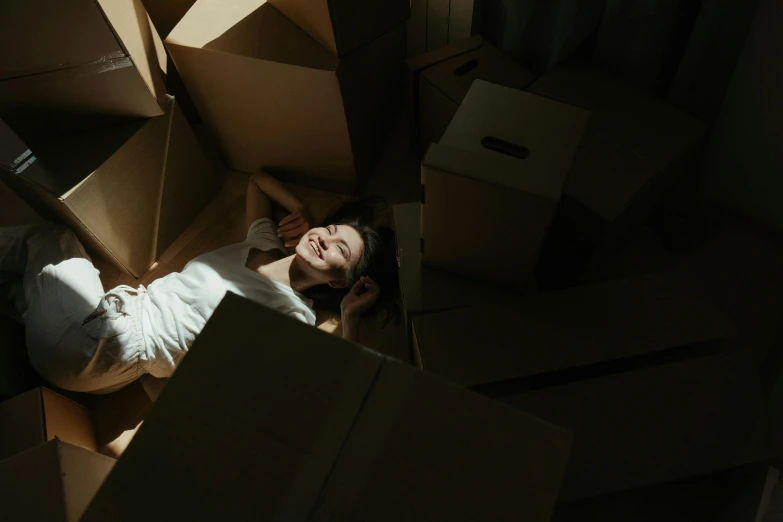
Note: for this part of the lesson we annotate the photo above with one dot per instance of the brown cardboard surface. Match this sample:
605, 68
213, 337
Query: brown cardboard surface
555, 331
655, 425
69, 35
321, 118
127, 191
301, 409
41, 415
510, 200
442, 78
54, 481
343, 26
166, 14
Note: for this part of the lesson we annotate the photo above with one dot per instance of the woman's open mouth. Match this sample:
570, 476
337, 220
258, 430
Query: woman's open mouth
315, 248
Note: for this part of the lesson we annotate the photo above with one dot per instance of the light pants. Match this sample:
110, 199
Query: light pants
78, 337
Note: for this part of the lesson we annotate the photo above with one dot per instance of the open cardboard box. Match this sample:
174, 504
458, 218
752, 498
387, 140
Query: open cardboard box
52, 481
342, 26
551, 332
127, 191
275, 99
40, 415
491, 187
440, 79
77, 65
300, 425
635, 147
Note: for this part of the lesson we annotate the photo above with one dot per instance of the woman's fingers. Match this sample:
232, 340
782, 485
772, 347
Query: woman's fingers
293, 232
291, 225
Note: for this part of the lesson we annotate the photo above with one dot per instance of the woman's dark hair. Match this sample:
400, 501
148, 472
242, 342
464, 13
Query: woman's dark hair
378, 260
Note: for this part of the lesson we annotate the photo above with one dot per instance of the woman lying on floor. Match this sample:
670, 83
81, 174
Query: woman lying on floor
82, 339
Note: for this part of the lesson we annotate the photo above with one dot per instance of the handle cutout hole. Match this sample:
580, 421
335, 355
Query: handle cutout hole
466, 67
505, 147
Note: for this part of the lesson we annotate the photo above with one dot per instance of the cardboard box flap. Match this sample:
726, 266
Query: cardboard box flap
134, 29
454, 76
254, 29
48, 35
499, 121
250, 423
68, 420
498, 169
443, 453
20, 421
635, 428
425, 289
555, 331
419, 63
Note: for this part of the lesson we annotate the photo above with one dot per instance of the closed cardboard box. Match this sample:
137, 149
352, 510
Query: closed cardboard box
77, 65
491, 187
54, 482
127, 191
323, 429
440, 80
275, 99
635, 146
555, 331
41, 415
657, 424
424, 289
342, 26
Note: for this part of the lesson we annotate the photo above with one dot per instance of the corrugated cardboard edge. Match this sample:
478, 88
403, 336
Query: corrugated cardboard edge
171, 106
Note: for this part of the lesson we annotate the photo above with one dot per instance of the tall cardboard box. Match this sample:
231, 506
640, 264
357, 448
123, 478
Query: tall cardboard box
322, 429
635, 147
127, 191
41, 415
491, 187
426, 290
342, 26
274, 98
585, 327
657, 424
440, 80
77, 65
53, 482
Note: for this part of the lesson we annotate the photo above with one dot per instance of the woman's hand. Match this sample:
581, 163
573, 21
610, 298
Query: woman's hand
362, 296
294, 226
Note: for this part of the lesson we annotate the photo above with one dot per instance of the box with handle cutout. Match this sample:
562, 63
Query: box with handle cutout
492, 185
440, 79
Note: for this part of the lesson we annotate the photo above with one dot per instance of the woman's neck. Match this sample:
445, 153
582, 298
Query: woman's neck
288, 272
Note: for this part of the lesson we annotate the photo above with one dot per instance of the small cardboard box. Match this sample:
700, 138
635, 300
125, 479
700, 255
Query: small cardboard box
556, 331
491, 187
440, 80
41, 415
85, 64
275, 99
657, 424
635, 147
323, 429
53, 481
424, 289
342, 26
127, 191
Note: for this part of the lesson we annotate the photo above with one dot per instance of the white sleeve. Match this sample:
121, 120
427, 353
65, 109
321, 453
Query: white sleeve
262, 234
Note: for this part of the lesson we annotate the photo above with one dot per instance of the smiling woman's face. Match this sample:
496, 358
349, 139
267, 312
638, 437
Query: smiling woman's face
330, 252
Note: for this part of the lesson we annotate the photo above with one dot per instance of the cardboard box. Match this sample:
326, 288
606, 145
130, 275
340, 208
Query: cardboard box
557, 331
342, 26
275, 99
54, 481
492, 185
322, 429
127, 191
166, 14
657, 424
635, 147
739, 494
440, 80
424, 289
41, 415
87, 63
435, 23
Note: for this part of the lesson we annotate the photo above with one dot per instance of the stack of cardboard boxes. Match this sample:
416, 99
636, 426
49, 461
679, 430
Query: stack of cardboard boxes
306, 90
49, 465
72, 143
